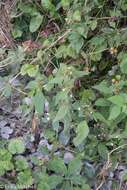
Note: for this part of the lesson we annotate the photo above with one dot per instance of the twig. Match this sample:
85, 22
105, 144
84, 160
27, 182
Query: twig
107, 18
108, 165
18, 90
60, 38
11, 80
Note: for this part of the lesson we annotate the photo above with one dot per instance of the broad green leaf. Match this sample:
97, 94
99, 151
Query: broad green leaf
117, 100
76, 179
82, 132
21, 163
48, 5
57, 165
74, 167
24, 178
86, 187
17, 32
103, 151
38, 101
103, 88
28, 8
93, 25
114, 112
43, 186
29, 69
63, 110
102, 102
35, 23
77, 16
98, 116
65, 3
76, 41
5, 161
16, 146
54, 180
5, 166
123, 64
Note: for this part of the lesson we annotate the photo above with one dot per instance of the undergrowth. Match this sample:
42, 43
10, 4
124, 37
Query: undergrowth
69, 69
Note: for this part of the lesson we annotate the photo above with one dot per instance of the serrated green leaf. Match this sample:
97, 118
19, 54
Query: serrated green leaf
57, 165
65, 3
82, 132
29, 69
43, 186
63, 110
35, 23
117, 100
54, 180
16, 146
114, 112
74, 167
76, 41
21, 163
103, 88
24, 178
38, 101
77, 16
103, 151
123, 64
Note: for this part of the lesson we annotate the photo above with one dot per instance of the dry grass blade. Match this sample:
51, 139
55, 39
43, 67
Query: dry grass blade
6, 7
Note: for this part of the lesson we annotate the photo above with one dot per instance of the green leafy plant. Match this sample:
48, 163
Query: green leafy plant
69, 73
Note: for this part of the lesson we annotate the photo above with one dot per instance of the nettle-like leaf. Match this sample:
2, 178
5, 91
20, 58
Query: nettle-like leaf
103, 87
24, 179
16, 146
38, 102
76, 41
102, 102
65, 3
62, 112
99, 117
103, 151
77, 16
48, 5
57, 165
54, 181
43, 186
28, 8
35, 23
118, 100
21, 163
74, 167
114, 112
29, 69
6, 163
82, 132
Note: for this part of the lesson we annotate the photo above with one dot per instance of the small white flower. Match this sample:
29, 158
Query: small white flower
48, 118
79, 108
45, 86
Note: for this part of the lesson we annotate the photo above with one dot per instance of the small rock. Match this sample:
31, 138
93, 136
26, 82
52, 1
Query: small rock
68, 157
